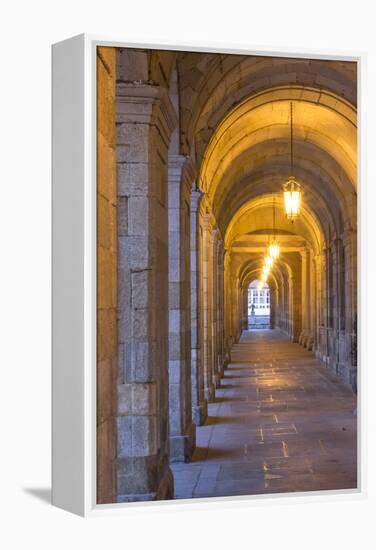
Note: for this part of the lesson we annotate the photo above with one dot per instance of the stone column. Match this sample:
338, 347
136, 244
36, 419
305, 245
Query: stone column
227, 305
311, 344
318, 302
182, 431
297, 299
321, 266
335, 303
306, 334
244, 300
107, 352
235, 306
287, 304
273, 304
220, 336
304, 298
214, 306
207, 275
281, 306
145, 119
290, 306
351, 324
199, 403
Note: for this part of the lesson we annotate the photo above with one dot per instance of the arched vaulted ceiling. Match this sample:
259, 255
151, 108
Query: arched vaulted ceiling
211, 85
250, 149
250, 271
258, 214
234, 119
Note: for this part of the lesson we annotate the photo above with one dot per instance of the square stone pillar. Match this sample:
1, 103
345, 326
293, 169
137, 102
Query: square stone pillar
297, 298
321, 308
350, 306
335, 304
207, 304
145, 119
274, 306
107, 352
305, 338
215, 236
244, 301
318, 304
303, 275
311, 344
221, 352
182, 430
227, 306
199, 403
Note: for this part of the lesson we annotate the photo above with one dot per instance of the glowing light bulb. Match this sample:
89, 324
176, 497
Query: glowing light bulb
268, 261
292, 196
274, 250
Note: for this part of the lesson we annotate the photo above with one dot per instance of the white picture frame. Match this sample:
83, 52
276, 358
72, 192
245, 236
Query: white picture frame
74, 275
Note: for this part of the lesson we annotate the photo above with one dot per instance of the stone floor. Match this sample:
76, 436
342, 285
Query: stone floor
280, 423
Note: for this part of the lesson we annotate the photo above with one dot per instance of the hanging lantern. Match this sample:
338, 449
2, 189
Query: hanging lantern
292, 191
292, 198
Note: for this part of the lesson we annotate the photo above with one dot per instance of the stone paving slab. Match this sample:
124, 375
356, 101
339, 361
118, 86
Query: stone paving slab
280, 423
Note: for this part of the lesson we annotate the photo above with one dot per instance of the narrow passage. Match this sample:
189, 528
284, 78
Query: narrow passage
280, 423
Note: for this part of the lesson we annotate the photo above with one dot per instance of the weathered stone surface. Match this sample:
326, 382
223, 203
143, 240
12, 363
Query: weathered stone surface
106, 278
145, 120
281, 424
188, 198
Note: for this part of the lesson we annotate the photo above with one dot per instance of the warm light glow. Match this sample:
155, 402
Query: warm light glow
292, 198
274, 250
266, 270
264, 277
268, 261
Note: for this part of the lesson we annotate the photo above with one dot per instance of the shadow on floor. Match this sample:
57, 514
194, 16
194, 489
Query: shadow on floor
214, 420
43, 494
204, 453
227, 399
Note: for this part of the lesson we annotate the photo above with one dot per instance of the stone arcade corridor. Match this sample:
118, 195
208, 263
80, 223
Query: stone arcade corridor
199, 159
280, 423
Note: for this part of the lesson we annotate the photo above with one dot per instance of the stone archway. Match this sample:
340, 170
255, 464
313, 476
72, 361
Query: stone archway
202, 149
258, 306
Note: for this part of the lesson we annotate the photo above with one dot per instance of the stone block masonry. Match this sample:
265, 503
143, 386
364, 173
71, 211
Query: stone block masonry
106, 278
145, 119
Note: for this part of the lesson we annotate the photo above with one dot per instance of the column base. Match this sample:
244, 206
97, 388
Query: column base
182, 446
200, 414
348, 374
144, 478
310, 343
210, 393
217, 380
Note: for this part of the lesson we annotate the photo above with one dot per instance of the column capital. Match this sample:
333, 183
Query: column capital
181, 170
209, 223
140, 102
196, 198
